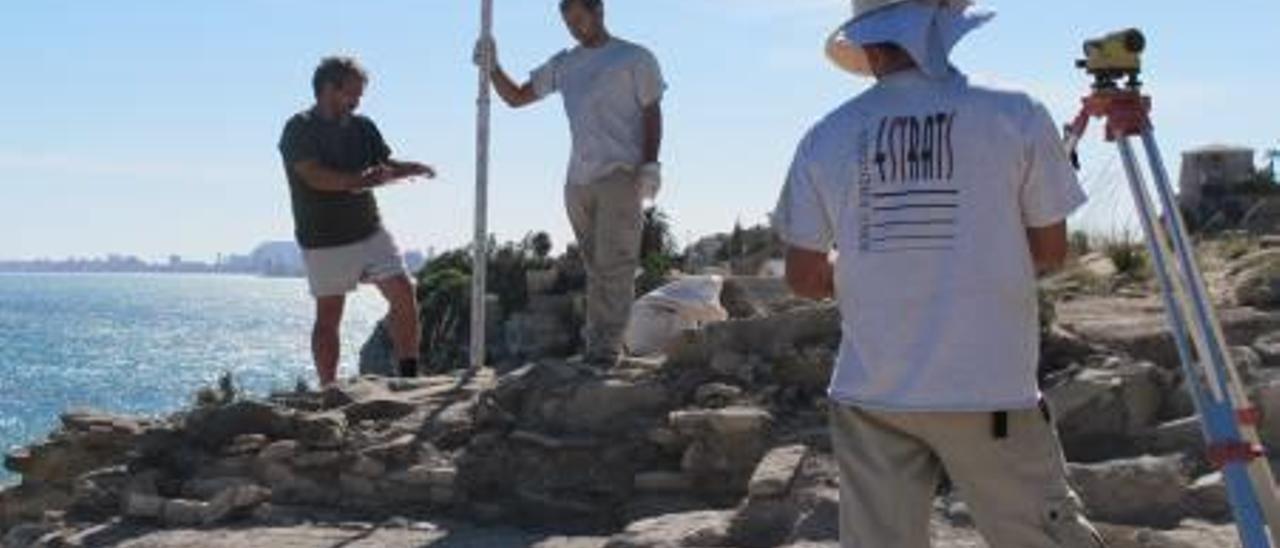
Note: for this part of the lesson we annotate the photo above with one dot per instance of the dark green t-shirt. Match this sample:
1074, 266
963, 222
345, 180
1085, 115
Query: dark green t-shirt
330, 219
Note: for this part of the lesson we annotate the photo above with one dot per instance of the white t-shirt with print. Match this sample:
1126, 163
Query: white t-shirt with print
605, 91
926, 188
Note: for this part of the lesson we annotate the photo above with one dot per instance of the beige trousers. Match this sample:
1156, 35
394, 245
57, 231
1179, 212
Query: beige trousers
1015, 484
607, 220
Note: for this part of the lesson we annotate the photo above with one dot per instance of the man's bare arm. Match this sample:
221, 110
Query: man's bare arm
514, 95
324, 179
652, 132
810, 274
1048, 247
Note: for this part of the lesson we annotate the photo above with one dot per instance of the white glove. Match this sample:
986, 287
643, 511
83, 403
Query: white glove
485, 54
650, 180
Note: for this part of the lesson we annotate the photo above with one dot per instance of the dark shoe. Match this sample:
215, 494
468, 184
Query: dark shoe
409, 369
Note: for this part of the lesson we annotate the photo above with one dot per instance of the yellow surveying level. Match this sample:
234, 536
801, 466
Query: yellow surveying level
1114, 56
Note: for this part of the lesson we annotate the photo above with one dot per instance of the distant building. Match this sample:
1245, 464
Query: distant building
278, 259
1222, 189
1213, 170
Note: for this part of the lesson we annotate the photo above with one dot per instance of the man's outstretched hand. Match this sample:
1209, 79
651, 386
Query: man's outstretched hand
384, 174
404, 170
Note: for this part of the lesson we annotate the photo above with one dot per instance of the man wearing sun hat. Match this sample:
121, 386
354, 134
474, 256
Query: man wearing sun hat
944, 201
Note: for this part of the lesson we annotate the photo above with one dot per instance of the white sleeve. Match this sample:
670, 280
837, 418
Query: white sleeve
1050, 190
801, 218
546, 78
648, 77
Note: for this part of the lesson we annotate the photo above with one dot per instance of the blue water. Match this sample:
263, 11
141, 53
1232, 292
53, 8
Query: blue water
143, 344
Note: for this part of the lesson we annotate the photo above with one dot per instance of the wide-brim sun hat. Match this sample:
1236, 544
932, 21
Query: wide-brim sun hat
926, 29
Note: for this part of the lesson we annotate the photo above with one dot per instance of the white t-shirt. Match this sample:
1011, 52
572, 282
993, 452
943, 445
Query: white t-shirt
605, 90
926, 188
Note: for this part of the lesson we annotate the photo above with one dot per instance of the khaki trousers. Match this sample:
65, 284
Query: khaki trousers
607, 220
1015, 484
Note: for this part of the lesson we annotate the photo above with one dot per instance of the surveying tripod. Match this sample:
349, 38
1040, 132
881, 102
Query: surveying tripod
1228, 419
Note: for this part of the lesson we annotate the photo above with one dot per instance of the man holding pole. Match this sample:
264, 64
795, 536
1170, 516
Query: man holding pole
612, 91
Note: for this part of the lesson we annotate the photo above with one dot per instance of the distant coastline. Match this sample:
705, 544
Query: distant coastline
278, 259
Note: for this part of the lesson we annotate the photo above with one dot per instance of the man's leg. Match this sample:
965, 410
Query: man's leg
1014, 479
579, 204
887, 481
325, 345
385, 268
618, 226
331, 273
402, 316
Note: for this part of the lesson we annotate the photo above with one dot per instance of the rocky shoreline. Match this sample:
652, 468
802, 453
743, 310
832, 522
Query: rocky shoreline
721, 442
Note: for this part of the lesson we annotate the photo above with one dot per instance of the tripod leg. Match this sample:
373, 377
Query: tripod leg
1260, 472
1217, 413
1174, 290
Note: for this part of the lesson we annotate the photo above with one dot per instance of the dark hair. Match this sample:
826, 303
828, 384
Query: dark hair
591, 5
337, 70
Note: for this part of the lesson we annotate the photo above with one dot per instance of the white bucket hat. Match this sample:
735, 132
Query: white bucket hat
927, 29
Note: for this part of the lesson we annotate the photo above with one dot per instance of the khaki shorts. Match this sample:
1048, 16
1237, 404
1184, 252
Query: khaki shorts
1015, 482
334, 271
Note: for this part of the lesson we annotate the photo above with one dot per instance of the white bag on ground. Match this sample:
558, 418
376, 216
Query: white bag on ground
658, 318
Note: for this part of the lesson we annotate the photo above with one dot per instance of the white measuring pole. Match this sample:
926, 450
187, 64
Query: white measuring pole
480, 262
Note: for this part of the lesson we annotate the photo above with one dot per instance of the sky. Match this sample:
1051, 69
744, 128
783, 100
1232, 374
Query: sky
149, 127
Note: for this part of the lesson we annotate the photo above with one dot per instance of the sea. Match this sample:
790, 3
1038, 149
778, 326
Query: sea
143, 344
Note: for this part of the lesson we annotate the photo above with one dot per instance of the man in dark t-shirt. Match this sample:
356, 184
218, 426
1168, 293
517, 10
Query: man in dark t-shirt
333, 159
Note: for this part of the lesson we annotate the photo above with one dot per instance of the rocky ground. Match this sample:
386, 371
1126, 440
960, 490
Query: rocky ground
720, 443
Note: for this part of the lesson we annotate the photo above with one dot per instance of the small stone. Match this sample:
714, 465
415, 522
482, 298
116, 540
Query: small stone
233, 501
664, 437
325, 431
183, 513
379, 410
357, 486
206, 489
662, 482
729, 421
276, 474
318, 459
25, 534
143, 506
367, 467
775, 473
279, 451
716, 395
396, 451
1207, 498
442, 495
246, 444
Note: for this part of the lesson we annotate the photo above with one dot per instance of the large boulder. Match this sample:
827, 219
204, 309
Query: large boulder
86, 442
691, 529
1143, 491
377, 355
1256, 281
1101, 411
214, 427
724, 448
770, 512
1268, 348
1139, 328
1267, 398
